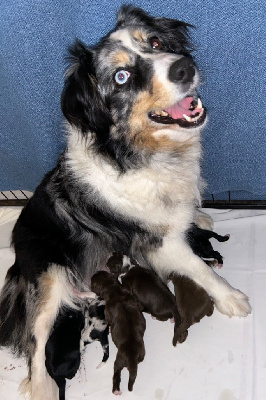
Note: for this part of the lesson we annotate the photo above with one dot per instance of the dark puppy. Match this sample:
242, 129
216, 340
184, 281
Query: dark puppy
147, 287
199, 241
193, 303
122, 312
97, 328
62, 350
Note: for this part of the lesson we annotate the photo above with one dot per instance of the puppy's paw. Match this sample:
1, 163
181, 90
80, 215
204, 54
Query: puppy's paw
235, 303
180, 338
117, 392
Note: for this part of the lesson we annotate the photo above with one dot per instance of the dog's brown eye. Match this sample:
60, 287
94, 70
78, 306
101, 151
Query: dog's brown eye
156, 44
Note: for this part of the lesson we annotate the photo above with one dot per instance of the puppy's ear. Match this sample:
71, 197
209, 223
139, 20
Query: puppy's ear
81, 102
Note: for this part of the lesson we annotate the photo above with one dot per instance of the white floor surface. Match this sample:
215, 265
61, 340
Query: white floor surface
222, 358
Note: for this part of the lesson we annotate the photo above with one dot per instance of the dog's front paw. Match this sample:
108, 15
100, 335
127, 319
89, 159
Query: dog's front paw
235, 303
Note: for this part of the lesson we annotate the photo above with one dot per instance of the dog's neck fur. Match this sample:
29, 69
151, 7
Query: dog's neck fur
160, 187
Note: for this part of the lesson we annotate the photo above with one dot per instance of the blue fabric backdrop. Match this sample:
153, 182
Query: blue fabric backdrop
231, 47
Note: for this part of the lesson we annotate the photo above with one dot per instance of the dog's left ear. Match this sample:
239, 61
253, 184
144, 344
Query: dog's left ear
81, 102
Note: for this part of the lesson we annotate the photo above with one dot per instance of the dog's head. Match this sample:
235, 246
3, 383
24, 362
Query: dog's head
134, 92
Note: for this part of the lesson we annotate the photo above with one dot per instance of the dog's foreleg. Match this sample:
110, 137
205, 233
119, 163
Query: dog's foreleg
54, 292
176, 256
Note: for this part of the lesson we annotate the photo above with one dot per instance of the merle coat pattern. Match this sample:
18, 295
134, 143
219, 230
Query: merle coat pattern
129, 180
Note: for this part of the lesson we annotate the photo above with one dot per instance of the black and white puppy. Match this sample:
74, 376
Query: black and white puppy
62, 350
199, 241
146, 286
97, 328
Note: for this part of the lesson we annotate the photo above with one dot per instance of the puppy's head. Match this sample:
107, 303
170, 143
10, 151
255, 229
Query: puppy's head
115, 263
101, 282
120, 263
135, 90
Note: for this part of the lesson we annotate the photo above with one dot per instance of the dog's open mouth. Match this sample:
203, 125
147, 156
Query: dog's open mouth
187, 113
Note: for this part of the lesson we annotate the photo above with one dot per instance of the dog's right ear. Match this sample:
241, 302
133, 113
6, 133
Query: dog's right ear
81, 101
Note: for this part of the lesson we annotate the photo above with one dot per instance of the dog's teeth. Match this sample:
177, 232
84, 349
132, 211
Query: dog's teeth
187, 118
201, 113
161, 113
199, 105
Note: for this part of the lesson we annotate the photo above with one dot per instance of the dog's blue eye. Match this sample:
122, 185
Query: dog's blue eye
122, 76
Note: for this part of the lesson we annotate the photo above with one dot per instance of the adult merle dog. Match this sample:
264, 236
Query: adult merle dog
129, 180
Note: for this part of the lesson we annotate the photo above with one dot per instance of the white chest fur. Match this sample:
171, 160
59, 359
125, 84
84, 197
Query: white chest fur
158, 194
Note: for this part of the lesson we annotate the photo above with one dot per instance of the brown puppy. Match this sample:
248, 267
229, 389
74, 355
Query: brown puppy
147, 287
123, 313
193, 303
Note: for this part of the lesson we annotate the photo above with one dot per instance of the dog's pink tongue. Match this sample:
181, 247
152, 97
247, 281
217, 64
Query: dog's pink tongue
180, 108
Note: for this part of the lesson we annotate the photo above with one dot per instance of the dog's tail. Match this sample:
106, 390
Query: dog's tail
14, 320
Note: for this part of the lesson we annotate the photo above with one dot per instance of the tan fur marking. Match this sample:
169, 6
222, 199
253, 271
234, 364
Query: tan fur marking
142, 128
139, 36
120, 58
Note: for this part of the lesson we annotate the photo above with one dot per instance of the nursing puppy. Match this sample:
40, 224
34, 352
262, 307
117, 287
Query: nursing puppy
62, 350
129, 180
193, 303
199, 241
97, 328
146, 287
122, 312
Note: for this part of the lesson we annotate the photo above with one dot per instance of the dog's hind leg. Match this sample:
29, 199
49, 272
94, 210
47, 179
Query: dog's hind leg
105, 345
54, 291
132, 376
220, 238
175, 255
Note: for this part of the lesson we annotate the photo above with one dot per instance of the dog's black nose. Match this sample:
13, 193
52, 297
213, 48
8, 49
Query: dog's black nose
182, 70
